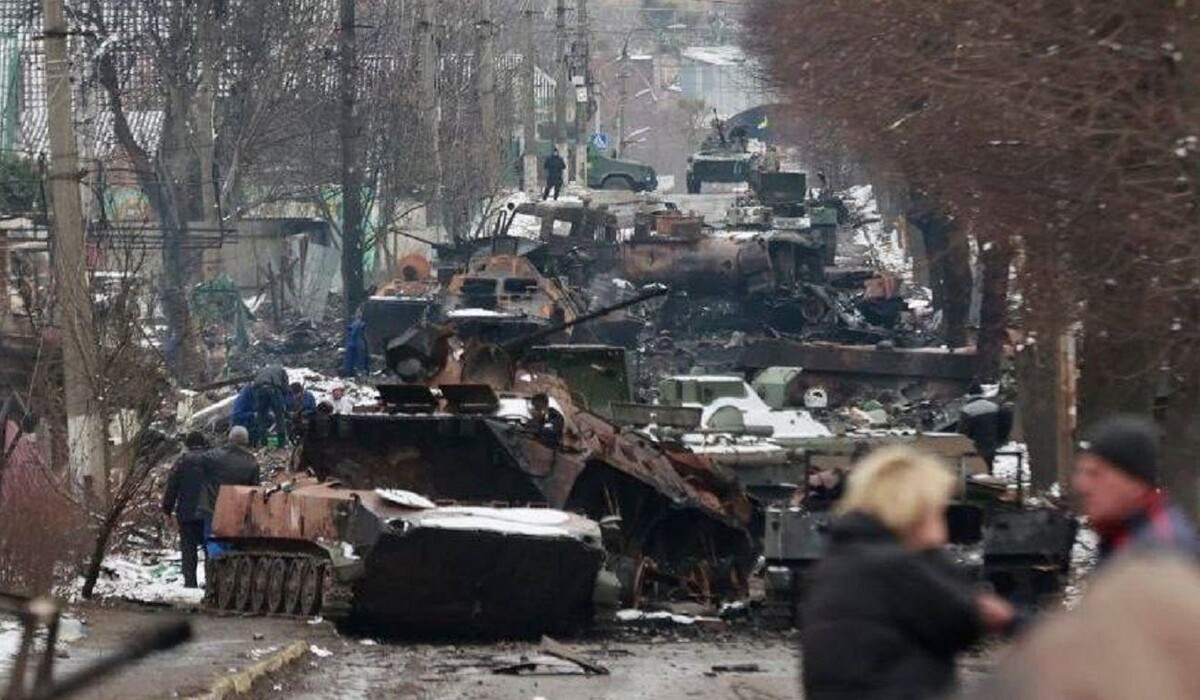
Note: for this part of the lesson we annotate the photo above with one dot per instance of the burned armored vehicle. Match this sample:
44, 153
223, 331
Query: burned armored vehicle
797, 467
465, 426
394, 562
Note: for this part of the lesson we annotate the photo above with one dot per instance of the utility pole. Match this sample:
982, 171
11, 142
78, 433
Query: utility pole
487, 92
562, 78
85, 424
622, 100
204, 108
349, 133
529, 103
583, 88
431, 113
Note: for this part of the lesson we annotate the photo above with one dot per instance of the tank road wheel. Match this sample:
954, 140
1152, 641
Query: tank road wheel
258, 585
244, 582
277, 571
226, 582
292, 583
311, 582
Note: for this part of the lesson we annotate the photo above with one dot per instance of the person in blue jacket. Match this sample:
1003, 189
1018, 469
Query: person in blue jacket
356, 360
245, 414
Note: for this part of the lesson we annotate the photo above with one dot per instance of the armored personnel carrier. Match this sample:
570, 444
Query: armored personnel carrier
394, 562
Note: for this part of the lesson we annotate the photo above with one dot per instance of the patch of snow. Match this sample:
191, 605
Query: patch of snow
150, 576
529, 522
10, 642
405, 499
478, 313
319, 652
630, 615
1006, 466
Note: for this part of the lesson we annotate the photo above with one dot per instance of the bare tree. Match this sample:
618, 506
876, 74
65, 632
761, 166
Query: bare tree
1066, 129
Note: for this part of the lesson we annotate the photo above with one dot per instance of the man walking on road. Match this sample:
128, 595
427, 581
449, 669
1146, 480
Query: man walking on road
183, 498
1116, 475
554, 167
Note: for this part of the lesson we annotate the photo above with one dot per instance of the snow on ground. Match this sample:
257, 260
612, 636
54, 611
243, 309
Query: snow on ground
1007, 462
10, 642
1083, 560
630, 615
147, 576
880, 245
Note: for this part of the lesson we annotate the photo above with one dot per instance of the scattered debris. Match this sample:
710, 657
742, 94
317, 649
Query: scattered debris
736, 668
562, 651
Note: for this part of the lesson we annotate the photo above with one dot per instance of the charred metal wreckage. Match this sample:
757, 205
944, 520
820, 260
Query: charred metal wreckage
521, 467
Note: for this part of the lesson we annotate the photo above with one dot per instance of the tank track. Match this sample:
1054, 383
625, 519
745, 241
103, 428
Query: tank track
278, 584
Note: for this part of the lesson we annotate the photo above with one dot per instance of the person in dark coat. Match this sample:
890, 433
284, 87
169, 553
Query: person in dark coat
1115, 480
229, 465
183, 498
546, 421
554, 166
886, 615
986, 422
270, 401
302, 405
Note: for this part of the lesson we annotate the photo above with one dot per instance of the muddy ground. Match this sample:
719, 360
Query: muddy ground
658, 662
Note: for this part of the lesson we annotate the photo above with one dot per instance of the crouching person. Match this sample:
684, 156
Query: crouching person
886, 615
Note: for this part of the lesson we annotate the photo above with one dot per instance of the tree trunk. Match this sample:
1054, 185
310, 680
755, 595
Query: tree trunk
1178, 474
92, 573
996, 262
949, 254
1116, 375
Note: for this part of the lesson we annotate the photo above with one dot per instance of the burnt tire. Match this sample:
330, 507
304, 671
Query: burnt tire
225, 580
618, 182
277, 571
258, 585
312, 580
243, 583
293, 582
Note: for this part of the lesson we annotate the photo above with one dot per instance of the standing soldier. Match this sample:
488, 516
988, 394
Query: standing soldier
554, 167
183, 498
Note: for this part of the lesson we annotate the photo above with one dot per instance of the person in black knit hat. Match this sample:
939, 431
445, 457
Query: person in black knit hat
1116, 483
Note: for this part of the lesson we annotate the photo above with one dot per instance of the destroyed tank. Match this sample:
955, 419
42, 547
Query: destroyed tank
460, 429
500, 296
393, 562
1023, 551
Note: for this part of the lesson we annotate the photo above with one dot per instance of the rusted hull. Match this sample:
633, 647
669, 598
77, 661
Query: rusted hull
705, 264
399, 566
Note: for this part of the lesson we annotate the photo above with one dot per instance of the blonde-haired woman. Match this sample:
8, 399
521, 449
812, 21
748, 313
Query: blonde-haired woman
886, 615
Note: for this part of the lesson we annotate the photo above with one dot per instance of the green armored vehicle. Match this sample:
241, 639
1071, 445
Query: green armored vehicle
607, 173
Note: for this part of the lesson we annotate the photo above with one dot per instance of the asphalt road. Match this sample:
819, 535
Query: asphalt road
667, 662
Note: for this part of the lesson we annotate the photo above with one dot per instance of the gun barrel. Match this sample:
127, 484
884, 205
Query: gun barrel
530, 339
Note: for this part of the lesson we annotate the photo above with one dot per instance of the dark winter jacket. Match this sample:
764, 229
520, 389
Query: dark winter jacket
1159, 526
272, 376
554, 166
186, 485
882, 622
229, 465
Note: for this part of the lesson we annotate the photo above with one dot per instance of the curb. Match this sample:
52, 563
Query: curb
237, 683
